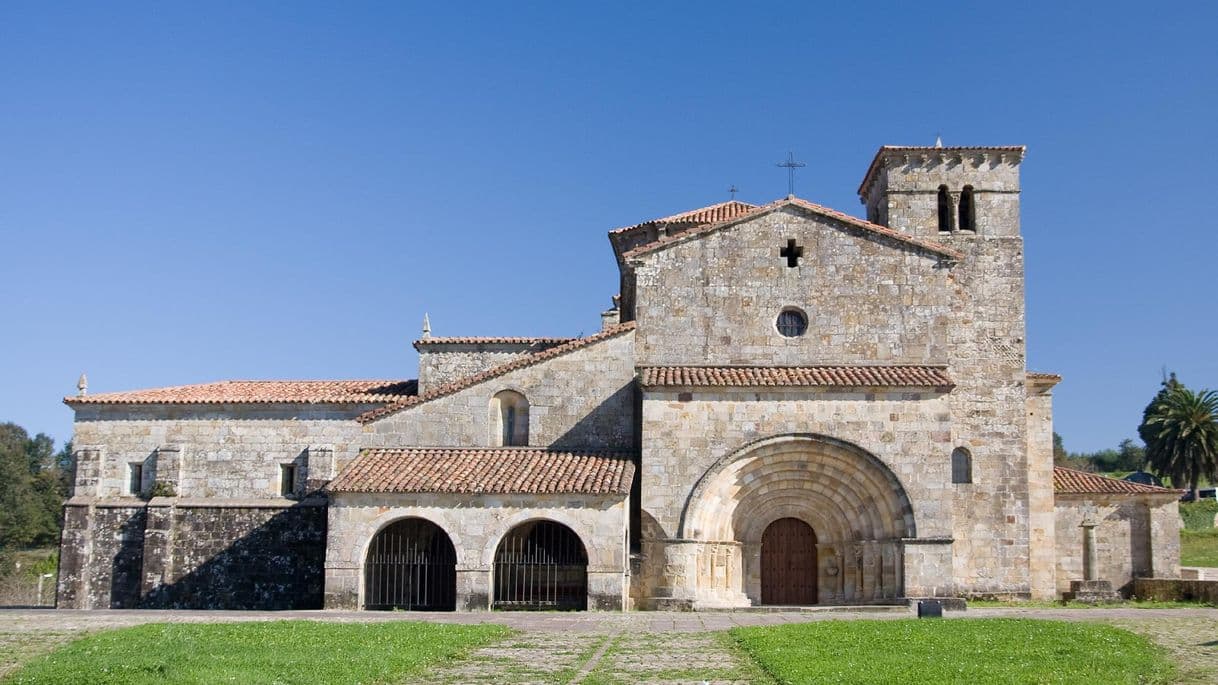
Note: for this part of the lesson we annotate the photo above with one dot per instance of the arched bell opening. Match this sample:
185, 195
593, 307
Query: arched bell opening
541, 565
412, 566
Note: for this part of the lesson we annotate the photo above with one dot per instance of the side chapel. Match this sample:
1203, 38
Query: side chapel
786, 405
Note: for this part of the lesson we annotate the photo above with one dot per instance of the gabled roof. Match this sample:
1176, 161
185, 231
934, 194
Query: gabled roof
260, 392
495, 470
795, 376
723, 211
1072, 482
470, 381
803, 205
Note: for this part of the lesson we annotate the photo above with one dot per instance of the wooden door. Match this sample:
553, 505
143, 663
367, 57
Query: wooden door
788, 563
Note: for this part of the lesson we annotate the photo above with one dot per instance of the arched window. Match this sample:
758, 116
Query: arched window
968, 211
945, 211
962, 466
509, 419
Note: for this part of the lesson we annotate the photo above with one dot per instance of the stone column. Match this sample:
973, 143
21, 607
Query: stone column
473, 589
1090, 559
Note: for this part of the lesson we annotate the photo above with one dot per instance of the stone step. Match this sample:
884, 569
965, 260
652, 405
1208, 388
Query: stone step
901, 608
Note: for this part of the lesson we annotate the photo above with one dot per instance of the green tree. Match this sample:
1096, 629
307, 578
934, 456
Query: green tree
32, 488
1132, 456
1059, 449
1182, 427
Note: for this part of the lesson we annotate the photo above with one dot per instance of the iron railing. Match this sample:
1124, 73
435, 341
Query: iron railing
541, 565
411, 565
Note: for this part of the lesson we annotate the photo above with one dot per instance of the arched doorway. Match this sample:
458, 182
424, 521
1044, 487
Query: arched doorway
411, 565
541, 565
856, 506
788, 563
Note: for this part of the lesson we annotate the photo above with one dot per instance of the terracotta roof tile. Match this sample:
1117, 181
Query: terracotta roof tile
504, 340
487, 470
664, 241
261, 392
795, 376
1071, 482
723, 211
470, 381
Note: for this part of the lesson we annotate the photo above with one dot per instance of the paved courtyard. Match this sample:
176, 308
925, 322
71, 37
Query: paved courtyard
609, 648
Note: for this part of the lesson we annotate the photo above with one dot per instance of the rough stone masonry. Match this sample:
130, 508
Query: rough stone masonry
786, 404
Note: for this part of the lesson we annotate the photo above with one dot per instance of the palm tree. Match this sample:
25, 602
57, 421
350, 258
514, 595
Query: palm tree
1182, 427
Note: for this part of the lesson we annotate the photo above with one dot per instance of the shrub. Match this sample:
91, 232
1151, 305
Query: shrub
1198, 515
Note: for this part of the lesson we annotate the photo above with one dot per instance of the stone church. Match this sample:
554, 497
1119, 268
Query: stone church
786, 405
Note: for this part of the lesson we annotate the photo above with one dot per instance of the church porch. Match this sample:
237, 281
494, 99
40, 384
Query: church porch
397, 540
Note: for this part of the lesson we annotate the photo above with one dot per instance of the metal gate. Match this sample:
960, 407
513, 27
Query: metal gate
411, 565
788, 563
541, 565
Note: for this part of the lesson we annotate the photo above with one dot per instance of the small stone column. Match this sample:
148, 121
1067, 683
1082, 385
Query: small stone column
1091, 589
1090, 559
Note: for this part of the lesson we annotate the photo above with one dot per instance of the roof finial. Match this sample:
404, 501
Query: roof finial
733, 190
426, 326
938, 140
82, 386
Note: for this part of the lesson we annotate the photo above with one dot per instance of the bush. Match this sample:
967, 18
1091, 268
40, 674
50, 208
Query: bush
1198, 515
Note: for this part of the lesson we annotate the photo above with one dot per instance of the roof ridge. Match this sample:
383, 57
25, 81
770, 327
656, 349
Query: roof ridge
354, 387
491, 339
494, 372
666, 241
1125, 486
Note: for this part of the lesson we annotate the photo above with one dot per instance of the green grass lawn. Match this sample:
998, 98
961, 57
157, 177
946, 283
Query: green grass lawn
1199, 547
954, 651
247, 653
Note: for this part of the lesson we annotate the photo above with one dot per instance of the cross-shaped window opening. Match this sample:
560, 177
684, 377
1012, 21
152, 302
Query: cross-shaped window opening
792, 252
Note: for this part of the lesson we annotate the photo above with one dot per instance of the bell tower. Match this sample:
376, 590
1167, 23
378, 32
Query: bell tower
935, 192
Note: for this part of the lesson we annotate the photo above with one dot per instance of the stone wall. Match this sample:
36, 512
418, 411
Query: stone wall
1136, 536
868, 300
441, 363
904, 194
701, 542
227, 451
101, 555
200, 554
475, 524
582, 399
1176, 590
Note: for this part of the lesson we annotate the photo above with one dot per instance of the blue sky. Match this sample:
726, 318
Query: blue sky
194, 192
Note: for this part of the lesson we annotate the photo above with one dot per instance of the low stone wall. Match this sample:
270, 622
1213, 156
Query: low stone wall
1171, 589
